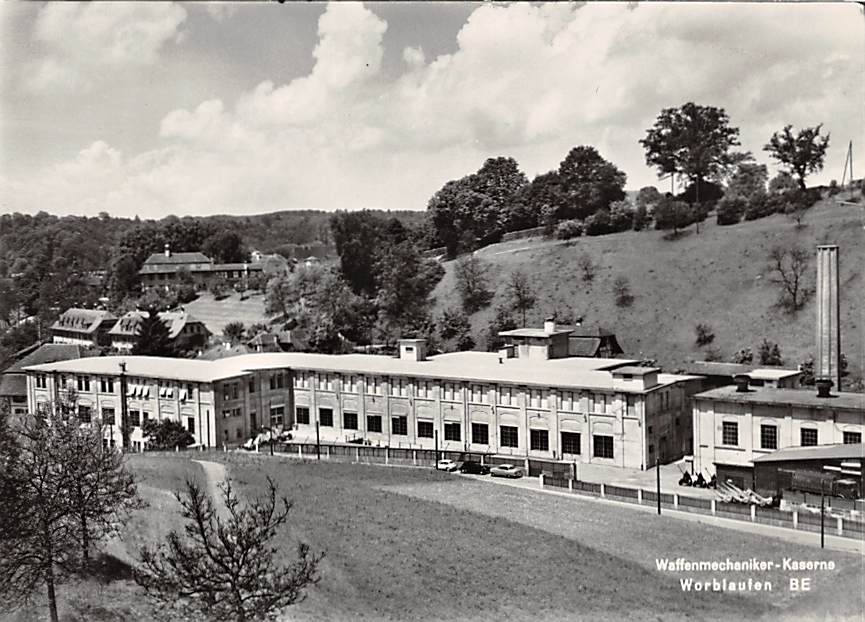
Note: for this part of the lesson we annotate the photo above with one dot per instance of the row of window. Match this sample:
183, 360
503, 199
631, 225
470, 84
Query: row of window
508, 435
808, 437
136, 387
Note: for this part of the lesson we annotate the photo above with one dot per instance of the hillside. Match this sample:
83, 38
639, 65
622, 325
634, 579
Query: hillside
719, 277
217, 313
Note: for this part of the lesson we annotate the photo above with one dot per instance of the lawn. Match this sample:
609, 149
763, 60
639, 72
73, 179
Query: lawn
411, 544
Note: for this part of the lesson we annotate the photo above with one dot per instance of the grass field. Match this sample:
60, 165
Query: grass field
217, 313
718, 277
416, 544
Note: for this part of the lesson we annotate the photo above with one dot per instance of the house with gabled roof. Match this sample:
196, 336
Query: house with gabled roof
168, 266
184, 330
84, 327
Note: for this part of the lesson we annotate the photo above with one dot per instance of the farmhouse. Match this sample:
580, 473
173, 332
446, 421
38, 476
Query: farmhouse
534, 401
169, 267
183, 330
83, 327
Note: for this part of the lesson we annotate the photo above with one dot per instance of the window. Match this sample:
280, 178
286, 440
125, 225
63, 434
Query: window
571, 443
506, 396
85, 413
508, 436
631, 405
479, 394
424, 389
768, 437
452, 432
324, 382
277, 415
349, 420
539, 440
226, 392
190, 424
450, 392
83, 383
566, 401
399, 426
167, 391
603, 446
729, 433
106, 385
808, 437
480, 434
398, 387
373, 386
108, 416
325, 417
651, 449
350, 384
425, 429
235, 390
41, 381
301, 414
301, 380
373, 423
537, 398
239, 433
852, 438
251, 385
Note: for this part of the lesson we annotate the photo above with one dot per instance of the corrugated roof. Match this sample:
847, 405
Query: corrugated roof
818, 452
794, 397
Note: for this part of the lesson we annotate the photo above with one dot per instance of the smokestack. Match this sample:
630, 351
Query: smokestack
827, 371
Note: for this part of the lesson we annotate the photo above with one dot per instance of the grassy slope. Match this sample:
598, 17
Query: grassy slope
217, 313
720, 277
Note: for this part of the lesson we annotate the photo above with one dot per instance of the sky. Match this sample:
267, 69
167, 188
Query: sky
153, 109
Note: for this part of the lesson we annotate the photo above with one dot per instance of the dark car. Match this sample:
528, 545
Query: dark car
475, 468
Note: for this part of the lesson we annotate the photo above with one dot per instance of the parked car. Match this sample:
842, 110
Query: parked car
475, 468
506, 470
447, 465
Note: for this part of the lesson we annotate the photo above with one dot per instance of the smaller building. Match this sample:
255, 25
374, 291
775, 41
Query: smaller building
834, 470
83, 327
736, 425
13, 380
170, 267
281, 341
184, 331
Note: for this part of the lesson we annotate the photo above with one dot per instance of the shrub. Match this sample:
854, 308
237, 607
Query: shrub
705, 335
587, 267
599, 223
731, 209
834, 188
769, 353
760, 206
186, 293
621, 216
622, 292
568, 229
641, 218
743, 356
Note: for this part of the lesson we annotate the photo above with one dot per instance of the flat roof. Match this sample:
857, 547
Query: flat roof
818, 452
570, 372
718, 368
792, 397
635, 370
533, 332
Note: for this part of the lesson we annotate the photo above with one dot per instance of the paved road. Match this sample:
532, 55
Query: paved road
215, 474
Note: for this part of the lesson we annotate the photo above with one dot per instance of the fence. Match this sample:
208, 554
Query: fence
524, 233
557, 475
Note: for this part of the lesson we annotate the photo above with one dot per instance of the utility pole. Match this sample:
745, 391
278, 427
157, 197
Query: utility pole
822, 515
124, 423
317, 441
437, 449
658, 477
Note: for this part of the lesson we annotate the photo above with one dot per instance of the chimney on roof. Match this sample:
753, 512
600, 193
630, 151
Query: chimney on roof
741, 381
549, 325
167, 249
827, 369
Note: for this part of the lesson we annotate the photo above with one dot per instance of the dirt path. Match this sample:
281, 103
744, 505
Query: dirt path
214, 472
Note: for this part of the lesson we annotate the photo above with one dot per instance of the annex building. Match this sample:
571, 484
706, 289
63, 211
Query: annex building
529, 400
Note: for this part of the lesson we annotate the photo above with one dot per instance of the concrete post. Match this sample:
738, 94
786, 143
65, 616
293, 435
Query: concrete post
840, 526
414, 457
527, 465
795, 519
541, 480
387, 455
753, 513
357, 454
327, 451
640, 496
603, 490
570, 484
675, 499
713, 507
300, 451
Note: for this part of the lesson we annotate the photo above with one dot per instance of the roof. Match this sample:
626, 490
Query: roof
585, 331
714, 368
533, 332
13, 384
635, 370
127, 326
818, 452
254, 266
577, 373
13, 380
82, 320
806, 398
176, 258
583, 346
128, 323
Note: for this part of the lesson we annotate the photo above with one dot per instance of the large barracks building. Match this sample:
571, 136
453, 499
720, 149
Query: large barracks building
530, 399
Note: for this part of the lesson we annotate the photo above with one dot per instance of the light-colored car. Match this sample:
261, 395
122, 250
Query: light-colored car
447, 465
506, 470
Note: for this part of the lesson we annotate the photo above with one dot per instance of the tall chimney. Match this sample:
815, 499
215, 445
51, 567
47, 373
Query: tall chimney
550, 325
827, 362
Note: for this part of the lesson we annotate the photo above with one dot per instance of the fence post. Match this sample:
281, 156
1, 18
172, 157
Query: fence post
675, 500
357, 454
414, 457
713, 507
300, 451
327, 451
527, 466
570, 484
753, 513
387, 455
541, 480
640, 496
840, 526
795, 519
602, 490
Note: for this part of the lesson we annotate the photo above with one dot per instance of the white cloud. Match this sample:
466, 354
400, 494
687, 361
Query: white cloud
527, 81
81, 42
221, 11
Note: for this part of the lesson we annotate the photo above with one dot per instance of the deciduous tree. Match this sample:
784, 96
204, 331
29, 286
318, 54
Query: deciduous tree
802, 152
472, 283
520, 295
789, 267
